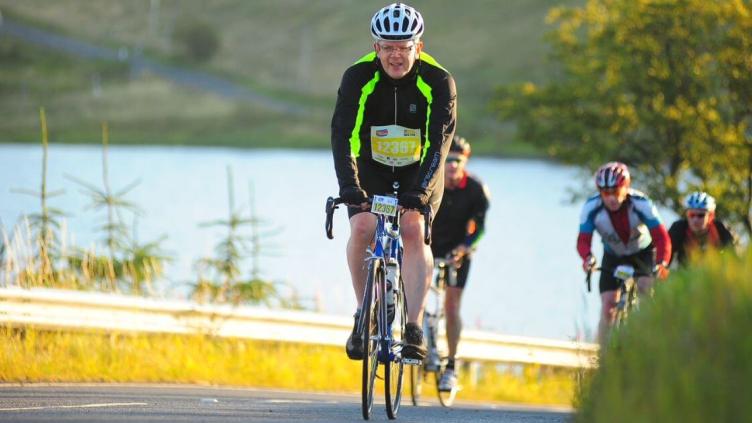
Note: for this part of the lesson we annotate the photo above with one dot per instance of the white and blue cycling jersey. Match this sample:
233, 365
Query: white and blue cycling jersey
642, 216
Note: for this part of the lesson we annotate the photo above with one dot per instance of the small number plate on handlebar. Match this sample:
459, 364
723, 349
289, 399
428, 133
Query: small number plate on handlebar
624, 272
384, 205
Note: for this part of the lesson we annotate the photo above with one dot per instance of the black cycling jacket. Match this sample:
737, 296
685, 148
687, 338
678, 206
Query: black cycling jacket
678, 234
424, 99
458, 207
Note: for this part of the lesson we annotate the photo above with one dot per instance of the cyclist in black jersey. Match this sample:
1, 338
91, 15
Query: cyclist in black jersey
699, 230
394, 120
456, 230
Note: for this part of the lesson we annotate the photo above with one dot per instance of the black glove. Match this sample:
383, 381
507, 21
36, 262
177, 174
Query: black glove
413, 199
352, 194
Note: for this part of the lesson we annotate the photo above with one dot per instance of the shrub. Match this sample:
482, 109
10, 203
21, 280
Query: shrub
684, 356
196, 40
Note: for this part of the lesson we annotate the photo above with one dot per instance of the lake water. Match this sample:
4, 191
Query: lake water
526, 277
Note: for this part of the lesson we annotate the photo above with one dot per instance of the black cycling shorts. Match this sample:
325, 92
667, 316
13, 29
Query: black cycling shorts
378, 180
462, 273
460, 278
643, 262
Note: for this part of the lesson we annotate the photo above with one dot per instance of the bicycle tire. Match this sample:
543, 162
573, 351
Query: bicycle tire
416, 383
446, 398
369, 342
394, 367
623, 307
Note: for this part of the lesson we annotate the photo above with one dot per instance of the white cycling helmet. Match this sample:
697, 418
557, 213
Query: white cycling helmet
700, 200
397, 22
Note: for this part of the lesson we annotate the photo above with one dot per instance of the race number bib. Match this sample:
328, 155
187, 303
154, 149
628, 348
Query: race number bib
395, 145
384, 205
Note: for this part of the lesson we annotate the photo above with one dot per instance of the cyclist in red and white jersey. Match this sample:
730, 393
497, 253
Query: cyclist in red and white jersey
632, 233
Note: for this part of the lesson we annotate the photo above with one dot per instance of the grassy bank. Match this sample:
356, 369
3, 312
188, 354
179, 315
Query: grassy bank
500, 42
684, 357
42, 356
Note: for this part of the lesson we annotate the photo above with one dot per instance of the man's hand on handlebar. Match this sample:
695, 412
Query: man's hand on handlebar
413, 199
588, 264
458, 254
354, 195
661, 271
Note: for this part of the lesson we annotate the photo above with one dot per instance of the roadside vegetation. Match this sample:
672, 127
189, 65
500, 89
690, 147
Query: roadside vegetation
683, 357
663, 86
36, 252
55, 356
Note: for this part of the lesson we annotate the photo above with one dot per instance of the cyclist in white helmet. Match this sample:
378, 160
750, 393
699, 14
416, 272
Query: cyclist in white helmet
393, 121
699, 229
632, 233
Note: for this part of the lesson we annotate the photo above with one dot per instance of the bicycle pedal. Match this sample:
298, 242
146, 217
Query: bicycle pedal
412, 361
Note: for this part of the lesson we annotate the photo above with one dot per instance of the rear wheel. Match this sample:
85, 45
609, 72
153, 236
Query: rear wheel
394, 367
370, 341
446, 398
416, 383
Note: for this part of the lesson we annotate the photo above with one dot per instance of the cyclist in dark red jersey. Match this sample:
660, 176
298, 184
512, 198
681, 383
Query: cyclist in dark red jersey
700, 229
456, 230
632, 233
393, 121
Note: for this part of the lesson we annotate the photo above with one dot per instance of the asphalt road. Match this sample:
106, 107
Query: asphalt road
150, 403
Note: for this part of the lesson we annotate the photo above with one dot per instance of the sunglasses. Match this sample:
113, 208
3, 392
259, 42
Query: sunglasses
609, 191
696, 215
454, 160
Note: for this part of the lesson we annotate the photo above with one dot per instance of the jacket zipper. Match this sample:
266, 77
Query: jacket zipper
395, 116
395, 105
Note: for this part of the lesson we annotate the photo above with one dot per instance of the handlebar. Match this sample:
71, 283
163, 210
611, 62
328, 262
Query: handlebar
589, 275
332, 203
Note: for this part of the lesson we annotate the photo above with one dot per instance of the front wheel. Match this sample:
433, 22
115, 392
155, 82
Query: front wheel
446, 398
370, 340
394, 367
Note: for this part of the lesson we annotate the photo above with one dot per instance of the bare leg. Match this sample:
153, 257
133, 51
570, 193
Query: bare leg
608, 310
453, 320
417, 265
362, 229
645, 284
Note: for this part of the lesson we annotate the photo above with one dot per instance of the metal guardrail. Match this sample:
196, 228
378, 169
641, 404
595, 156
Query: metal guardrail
60, 309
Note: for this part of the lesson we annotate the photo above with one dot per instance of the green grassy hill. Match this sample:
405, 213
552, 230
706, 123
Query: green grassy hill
294, 50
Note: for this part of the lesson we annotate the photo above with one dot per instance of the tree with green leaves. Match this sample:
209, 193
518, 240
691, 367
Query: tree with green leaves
662, 85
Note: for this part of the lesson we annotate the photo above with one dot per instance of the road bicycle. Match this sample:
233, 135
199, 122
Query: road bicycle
434, 324
628, 298
381, 331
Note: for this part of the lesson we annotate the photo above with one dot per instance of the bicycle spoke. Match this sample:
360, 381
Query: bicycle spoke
394, 366
370, 344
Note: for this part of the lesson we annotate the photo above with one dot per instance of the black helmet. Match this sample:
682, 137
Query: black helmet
460, 145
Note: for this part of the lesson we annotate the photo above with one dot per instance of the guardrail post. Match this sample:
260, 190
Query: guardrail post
473, 370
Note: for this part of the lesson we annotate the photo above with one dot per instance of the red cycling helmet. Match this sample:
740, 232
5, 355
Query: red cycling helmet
612, 175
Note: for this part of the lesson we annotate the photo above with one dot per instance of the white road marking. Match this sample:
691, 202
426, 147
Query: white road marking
46, 407
294, 401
